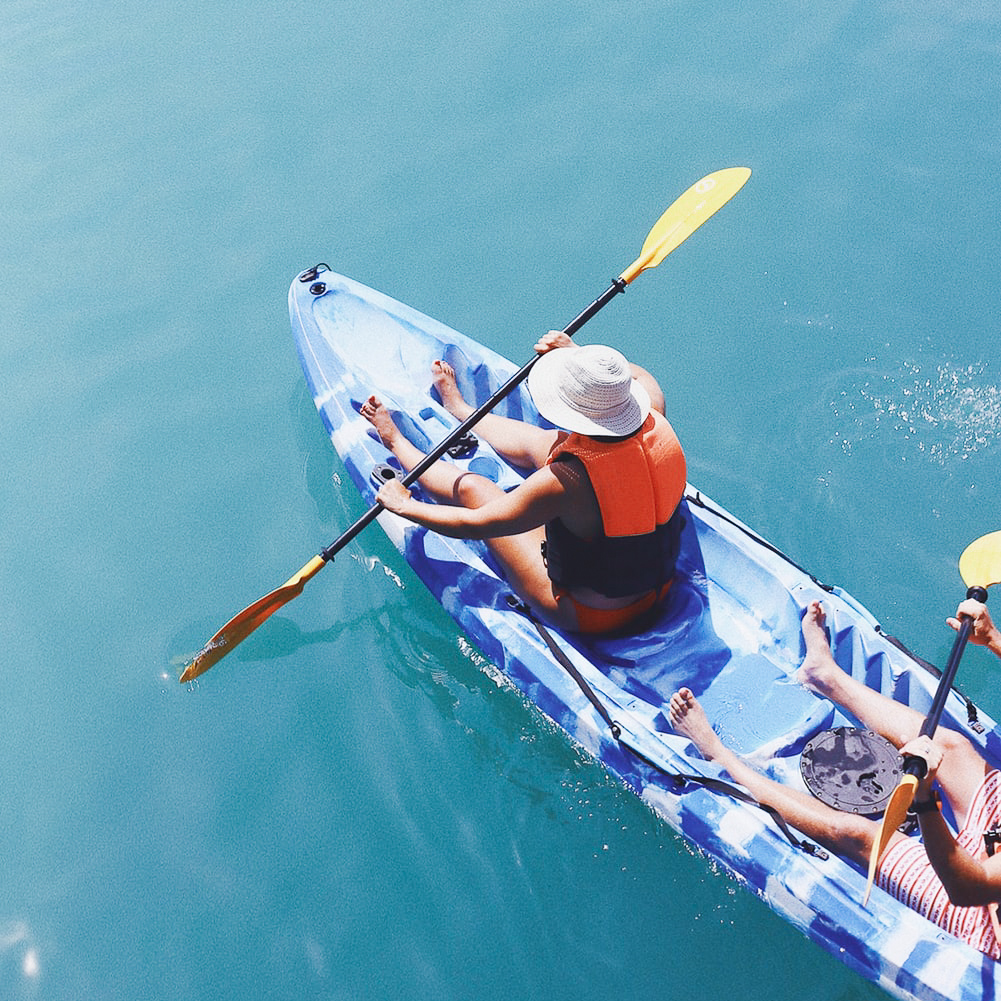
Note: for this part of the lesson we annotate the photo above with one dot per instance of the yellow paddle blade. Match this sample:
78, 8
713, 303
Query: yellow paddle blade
702, 200
980, 564
242, 625
893, 817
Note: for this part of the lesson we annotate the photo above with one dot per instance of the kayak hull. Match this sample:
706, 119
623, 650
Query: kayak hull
730, 631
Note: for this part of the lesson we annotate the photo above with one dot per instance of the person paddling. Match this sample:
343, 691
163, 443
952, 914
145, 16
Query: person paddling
954, 880
590, 538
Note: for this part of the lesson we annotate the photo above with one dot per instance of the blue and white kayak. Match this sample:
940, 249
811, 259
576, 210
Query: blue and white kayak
731, 631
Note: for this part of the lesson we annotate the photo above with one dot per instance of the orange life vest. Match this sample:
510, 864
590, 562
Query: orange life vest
639, 482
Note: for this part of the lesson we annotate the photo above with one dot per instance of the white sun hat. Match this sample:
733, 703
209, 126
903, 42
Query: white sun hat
589, 390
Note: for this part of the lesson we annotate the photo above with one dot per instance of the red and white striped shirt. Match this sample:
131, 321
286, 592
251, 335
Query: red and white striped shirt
906, 874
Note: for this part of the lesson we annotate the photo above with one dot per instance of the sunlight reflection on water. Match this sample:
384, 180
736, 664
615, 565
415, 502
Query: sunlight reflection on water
16, 939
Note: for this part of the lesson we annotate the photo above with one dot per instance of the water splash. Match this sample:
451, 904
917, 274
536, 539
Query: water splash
372, 562
949, 412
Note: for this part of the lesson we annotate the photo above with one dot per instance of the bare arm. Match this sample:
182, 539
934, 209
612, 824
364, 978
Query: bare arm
650, 384
969, 881
539, 499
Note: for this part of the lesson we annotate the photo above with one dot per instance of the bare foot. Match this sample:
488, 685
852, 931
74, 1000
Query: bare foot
443, 379
380, 418
818, 663
689, 719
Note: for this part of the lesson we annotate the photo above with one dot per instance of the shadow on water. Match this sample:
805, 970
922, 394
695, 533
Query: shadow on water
281, 637
322, 470
502, 731
278, 637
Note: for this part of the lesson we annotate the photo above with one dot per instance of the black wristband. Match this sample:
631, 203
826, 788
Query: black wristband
934, 804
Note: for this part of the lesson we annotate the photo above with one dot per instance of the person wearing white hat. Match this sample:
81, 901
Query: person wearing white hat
589, 539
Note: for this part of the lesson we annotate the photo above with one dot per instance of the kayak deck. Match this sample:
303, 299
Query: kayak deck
730, 631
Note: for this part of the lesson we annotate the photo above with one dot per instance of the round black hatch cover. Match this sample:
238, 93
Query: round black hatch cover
851, 769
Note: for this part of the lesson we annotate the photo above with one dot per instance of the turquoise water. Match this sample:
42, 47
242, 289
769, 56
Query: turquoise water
348, 807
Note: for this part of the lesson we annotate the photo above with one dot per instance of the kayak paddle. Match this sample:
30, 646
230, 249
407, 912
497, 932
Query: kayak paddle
980, 568
702, 200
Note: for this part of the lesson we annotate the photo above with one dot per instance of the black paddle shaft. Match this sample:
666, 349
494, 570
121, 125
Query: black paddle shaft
917, 766
619, 285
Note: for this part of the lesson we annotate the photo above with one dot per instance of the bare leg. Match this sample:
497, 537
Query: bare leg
440, 480
519, 555
963, 768
844, 834
820, 673
521, 444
